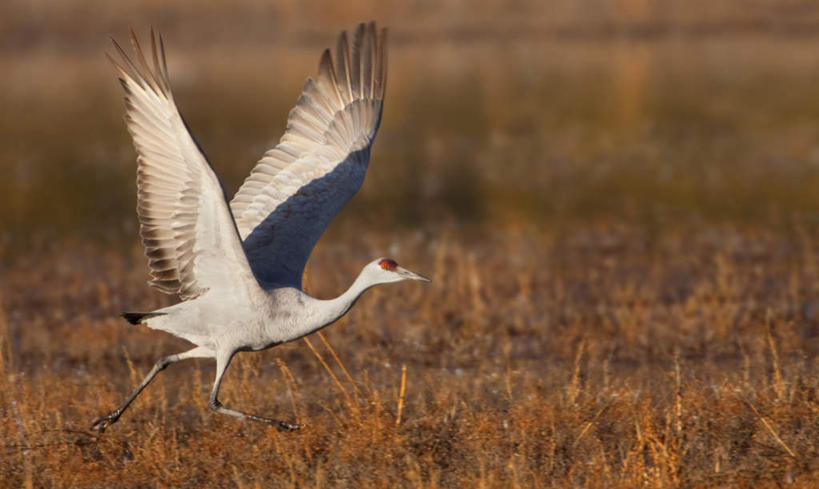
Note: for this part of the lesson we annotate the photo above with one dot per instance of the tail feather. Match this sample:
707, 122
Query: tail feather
139, 317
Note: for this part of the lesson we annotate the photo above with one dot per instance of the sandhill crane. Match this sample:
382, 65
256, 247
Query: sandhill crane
237, 267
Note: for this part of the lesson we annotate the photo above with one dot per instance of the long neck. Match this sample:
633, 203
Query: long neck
328, 311
340, 305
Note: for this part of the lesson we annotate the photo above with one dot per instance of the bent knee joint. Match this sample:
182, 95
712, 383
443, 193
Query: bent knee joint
163, 362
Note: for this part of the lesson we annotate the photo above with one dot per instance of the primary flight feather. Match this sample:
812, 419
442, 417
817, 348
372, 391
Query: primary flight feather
238, 267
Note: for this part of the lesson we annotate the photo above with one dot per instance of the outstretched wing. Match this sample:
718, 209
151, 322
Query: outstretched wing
294, 191
185, 223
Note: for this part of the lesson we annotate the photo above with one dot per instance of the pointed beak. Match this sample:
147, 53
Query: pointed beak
410, 275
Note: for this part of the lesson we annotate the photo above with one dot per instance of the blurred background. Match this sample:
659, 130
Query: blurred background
499, 115
617, 201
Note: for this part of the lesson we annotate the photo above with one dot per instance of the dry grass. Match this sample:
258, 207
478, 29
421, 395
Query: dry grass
600, 357
617, 205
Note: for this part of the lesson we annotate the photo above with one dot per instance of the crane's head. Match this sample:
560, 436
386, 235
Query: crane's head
386, 270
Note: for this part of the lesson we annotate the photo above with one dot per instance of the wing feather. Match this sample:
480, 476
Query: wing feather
189, 235
343, 58
297, 187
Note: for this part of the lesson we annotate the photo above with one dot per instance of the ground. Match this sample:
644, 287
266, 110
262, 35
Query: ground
607, 358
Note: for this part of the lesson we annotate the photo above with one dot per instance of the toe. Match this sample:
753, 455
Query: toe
105, 421
285, 426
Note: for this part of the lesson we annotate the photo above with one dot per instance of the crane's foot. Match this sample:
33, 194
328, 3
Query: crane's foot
284, 425
101, 423
279, 425
217, 406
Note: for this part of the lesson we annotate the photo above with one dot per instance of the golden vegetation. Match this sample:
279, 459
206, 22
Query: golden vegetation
617, 208
598, 356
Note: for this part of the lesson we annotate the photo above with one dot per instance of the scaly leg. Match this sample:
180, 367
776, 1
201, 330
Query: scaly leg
222, 362
104, 422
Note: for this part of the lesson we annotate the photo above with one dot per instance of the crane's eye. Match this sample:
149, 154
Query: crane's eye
388, 264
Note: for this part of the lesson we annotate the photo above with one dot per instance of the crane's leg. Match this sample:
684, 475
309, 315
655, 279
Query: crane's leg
105, 421
222, 362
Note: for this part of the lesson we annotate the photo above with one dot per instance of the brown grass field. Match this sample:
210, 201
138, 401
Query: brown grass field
618, 205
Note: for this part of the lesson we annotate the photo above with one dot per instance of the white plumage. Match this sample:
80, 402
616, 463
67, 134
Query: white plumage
238, 267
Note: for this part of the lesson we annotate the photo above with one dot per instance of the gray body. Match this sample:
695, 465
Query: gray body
256, 319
